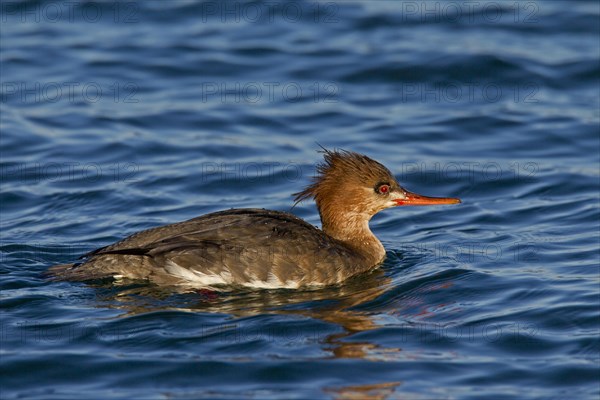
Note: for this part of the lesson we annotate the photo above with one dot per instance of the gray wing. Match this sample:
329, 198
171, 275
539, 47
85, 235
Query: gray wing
234, 246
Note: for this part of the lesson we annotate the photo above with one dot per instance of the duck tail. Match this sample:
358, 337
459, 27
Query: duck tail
60, 272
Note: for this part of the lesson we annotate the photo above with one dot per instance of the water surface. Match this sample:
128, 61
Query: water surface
122, 116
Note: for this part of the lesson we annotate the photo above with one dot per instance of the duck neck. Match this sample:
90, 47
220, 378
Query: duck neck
352, 228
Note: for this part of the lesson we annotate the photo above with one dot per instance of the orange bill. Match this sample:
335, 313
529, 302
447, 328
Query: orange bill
413, 199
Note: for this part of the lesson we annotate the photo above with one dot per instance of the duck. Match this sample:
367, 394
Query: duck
264, 249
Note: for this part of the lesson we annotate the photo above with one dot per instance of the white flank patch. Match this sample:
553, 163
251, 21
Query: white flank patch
197, 277
272, 282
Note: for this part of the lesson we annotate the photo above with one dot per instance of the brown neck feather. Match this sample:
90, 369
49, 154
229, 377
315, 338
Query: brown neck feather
347, 224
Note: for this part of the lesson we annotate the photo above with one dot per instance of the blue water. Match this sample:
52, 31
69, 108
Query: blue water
117, 117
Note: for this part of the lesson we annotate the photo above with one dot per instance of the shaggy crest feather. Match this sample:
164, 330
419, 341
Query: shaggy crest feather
344, 166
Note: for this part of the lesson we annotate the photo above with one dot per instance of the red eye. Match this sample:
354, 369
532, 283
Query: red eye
383, 189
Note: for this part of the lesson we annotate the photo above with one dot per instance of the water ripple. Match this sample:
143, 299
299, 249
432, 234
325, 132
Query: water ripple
156, 113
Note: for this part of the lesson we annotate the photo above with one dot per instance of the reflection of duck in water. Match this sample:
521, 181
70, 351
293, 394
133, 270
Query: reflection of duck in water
376, 391
262, 248
283, 316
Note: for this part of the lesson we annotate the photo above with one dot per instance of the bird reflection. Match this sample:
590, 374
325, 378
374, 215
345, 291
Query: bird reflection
378, 391
363, 303
339, 305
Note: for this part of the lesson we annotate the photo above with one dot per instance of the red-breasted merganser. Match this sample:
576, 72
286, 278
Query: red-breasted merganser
262, 248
